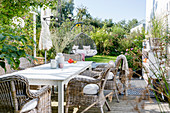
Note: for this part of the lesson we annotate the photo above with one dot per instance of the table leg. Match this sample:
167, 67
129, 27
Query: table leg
60, 97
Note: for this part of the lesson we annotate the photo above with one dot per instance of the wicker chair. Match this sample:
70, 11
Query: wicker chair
120, 82
77, 57
15, 96
76, 97
111, 84
122, 70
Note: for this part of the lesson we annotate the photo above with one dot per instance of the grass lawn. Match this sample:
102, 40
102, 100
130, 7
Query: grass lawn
101, 58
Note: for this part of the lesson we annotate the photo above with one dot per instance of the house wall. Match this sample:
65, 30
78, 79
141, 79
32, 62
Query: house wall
159, 9
137, 28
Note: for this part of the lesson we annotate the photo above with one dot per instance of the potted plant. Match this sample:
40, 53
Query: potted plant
61, 36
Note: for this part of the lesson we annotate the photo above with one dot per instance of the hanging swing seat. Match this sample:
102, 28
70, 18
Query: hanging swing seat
83, 44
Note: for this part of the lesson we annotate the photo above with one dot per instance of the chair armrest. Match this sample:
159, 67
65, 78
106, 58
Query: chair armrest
39, 92
89, 73
101, 66
84, 80
43, 90
98, 69
43, 96
44, 99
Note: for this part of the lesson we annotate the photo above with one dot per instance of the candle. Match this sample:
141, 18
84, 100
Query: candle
53, 64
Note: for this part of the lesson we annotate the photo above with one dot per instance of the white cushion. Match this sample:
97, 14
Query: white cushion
30, 105
111, 75
34, 91
75, 47
87, 49
91, 89
81, 51
91, 52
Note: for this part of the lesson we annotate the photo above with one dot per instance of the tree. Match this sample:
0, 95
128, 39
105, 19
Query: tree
108, 22
102, 39
131, 23
96, 22
63, 9
82, 13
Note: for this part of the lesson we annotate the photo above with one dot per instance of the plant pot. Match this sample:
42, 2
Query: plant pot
40, 60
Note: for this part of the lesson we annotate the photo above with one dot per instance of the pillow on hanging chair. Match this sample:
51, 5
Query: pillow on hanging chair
87, 49
75, 47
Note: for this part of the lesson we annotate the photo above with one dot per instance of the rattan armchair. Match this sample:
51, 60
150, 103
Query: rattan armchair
111, 83
76, 97
77, 57
15, 96
121, 71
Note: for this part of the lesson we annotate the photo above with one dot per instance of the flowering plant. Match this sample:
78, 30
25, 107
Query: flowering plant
134, 58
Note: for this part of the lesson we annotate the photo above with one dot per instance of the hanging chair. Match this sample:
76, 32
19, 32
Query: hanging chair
84, 44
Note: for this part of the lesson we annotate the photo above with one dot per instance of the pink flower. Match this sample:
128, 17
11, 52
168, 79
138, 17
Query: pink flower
23, 17
125, 53
126, 49
131, 49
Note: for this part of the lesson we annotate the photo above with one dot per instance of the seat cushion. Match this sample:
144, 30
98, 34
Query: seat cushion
30, 105
111, 75
91, 89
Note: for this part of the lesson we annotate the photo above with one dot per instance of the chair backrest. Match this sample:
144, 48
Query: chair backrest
77, 57
25, 63
104, 76
8, 69
13, 93
84, 40
122, 61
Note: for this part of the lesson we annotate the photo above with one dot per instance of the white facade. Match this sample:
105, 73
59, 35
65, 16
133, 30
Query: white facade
159, 9
137, 28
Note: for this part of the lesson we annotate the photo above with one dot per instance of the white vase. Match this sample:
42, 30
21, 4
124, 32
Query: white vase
58, 55
60, 60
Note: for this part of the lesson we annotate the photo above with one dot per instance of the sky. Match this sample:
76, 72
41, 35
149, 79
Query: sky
116, 10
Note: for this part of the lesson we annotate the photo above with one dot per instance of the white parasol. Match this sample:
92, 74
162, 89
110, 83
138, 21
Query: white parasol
45, 42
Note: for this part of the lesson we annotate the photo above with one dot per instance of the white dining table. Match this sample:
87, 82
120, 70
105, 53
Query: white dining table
44, 75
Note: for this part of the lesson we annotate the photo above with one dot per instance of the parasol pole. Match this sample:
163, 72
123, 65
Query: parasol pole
45, 56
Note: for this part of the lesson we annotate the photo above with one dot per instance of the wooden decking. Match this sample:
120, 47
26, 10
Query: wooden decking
130, 104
